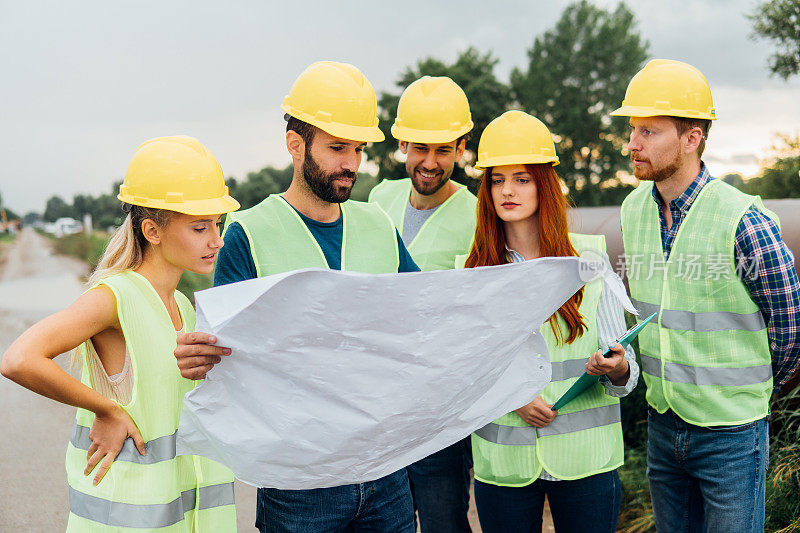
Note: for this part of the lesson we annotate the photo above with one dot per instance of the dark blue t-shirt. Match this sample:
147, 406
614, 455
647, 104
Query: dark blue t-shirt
235, 262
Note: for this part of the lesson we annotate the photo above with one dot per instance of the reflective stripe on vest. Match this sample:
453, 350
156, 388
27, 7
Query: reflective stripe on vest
561, 424
706, 375
447, 233
571, 368
584, 439
157, 489
117, 514
707, 357
158, 450
709, 321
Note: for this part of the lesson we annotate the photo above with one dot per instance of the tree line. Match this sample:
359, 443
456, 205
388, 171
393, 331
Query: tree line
576, 73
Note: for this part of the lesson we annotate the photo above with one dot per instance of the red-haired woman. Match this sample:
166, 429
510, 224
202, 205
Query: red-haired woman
571, 456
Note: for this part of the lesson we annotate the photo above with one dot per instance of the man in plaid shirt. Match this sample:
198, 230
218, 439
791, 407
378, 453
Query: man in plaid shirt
727, 334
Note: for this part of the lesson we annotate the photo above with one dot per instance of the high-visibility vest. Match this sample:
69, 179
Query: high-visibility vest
280, 241
158, 491
707, 356
585, 437
447, 233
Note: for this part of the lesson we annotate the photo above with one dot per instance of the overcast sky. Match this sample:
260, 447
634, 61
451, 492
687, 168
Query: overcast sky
82, 84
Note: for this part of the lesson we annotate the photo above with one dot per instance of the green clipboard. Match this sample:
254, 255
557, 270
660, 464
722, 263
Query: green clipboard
587, 380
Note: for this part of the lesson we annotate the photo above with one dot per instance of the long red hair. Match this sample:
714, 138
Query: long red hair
489, 246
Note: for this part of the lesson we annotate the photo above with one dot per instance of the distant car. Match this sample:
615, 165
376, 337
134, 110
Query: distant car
63, 226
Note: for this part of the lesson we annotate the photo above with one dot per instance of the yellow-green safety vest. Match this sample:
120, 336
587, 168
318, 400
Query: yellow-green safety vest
585, 437
158, 491
448, 232
707, 356
280, 241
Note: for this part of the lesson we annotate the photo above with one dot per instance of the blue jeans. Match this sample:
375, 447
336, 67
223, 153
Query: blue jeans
440, 488
588, 505
707, 479
380, 506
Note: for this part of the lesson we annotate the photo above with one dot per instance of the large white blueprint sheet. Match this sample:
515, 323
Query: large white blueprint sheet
340, 377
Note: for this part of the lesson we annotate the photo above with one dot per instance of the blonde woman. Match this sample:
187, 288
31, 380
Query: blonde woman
121, 464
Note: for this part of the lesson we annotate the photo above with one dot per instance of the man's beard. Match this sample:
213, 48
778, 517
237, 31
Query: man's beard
427, 189
658, 174
322, 185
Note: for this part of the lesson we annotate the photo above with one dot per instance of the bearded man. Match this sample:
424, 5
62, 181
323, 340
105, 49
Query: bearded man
331, 114
711, 262
436, 218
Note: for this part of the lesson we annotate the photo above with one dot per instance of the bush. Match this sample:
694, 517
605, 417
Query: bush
636, 511
783, 476
88, 248
192, 282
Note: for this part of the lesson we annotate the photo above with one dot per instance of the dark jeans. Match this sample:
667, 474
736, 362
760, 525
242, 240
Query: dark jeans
440, 488
380, 506
588, 505
707, 479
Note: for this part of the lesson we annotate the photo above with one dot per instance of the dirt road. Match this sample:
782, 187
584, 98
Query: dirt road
33, 488
35, 430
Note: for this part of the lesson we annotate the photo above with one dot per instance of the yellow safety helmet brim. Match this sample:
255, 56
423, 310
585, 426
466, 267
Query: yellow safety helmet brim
371, 134
427, 136
515, 160
643, 111
216, 206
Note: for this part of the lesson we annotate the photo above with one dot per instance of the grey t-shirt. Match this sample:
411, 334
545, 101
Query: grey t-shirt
413, 221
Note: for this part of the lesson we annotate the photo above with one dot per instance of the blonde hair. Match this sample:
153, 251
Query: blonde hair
125, 249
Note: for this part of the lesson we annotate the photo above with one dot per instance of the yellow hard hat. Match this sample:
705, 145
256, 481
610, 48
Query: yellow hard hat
432, 110
665, 87
176, 173
515, 138
336, 98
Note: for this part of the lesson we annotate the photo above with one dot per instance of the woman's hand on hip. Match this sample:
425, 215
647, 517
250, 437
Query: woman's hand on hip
109, 432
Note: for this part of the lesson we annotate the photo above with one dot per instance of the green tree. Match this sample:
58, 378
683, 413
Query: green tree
56, 208
779, 21
258, 185
576, 75
779, 177
488, 98
735, 179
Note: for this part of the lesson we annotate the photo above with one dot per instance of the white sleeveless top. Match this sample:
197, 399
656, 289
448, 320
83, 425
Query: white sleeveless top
118, 387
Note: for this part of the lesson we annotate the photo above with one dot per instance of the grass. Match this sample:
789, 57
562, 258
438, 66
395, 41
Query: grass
88, 248
783, 476
7, 237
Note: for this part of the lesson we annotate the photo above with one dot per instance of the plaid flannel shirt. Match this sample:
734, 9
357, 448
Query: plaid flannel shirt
767, 270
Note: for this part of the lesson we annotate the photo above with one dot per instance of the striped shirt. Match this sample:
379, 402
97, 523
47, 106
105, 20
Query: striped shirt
766, 267
610, 326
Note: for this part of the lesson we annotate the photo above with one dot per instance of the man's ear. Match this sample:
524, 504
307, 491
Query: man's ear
295, 145
693, 139
403, 145
151, 231
460, 146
